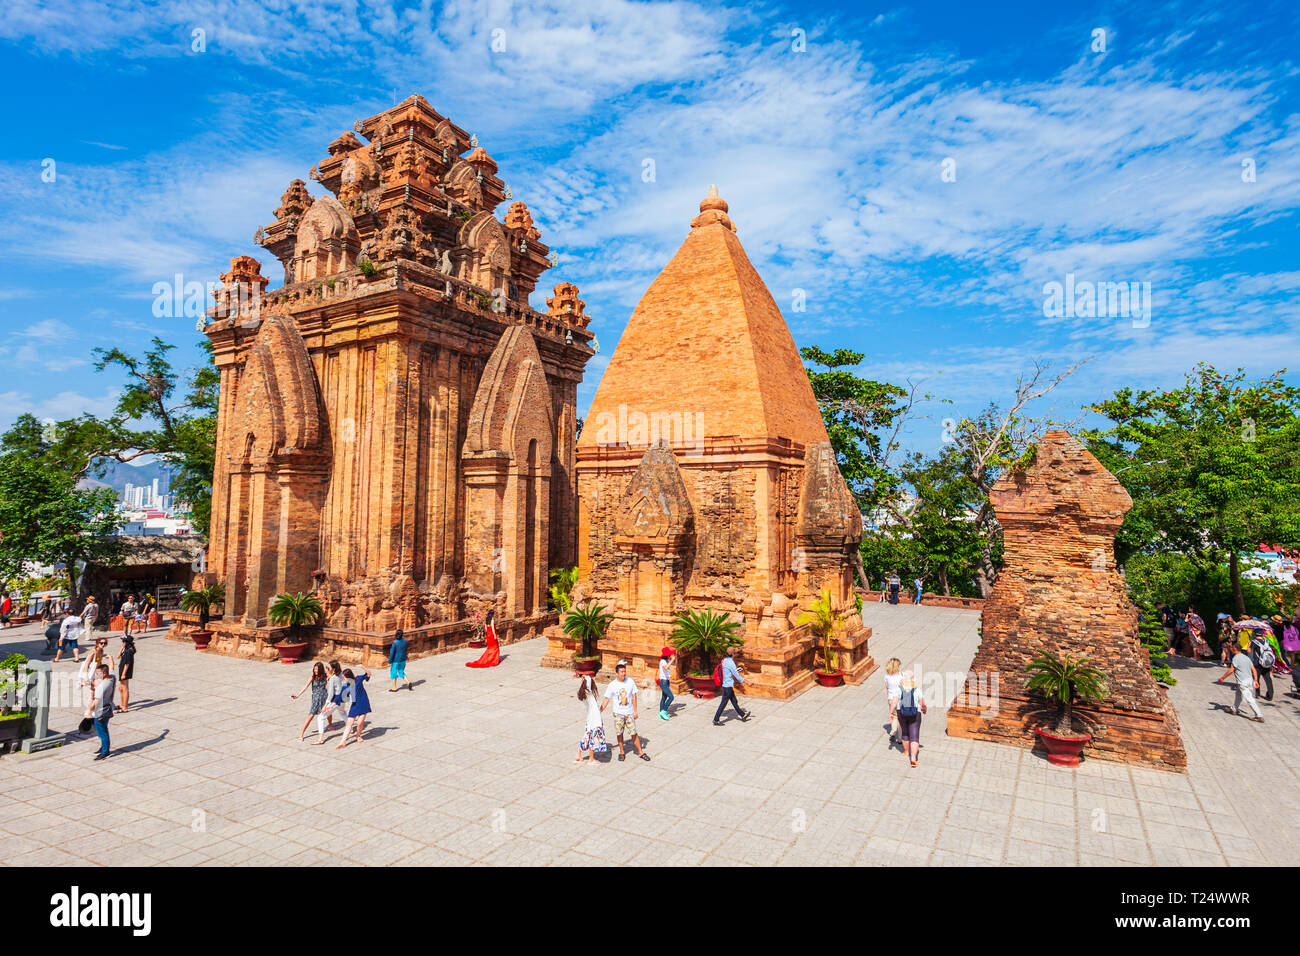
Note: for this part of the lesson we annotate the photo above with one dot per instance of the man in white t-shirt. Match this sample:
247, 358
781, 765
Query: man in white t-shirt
69, 631
622, 691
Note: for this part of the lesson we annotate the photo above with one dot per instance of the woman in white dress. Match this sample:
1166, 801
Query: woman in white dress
593, 736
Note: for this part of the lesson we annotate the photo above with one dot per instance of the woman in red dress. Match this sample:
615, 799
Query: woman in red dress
492, 656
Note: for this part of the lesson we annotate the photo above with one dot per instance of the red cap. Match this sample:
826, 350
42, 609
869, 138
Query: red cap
667, 652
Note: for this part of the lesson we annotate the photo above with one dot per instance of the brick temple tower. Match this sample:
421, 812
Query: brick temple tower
1061, 591
397, 424
705, 475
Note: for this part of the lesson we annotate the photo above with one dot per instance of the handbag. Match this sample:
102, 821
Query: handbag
86, 726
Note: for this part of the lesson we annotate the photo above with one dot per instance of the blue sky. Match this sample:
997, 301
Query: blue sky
1119, 166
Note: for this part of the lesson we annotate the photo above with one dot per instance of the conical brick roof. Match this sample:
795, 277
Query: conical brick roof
707, 338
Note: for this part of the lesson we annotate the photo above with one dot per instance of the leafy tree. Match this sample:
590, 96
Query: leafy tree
46, 519
948, 539
157, 413
862, 419
1213, 468
1152, 635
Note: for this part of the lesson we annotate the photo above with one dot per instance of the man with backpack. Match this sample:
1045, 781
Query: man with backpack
1262, 656
1168, 621
726, 675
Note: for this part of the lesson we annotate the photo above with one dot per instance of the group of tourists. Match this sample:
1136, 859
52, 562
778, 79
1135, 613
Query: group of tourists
134, 611
622, 697
337, 692
106, 676
891, 586
1253, 650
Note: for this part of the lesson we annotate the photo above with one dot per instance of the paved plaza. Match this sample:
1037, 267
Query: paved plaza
476, 766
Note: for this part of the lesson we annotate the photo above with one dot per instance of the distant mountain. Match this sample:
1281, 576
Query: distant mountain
116, 474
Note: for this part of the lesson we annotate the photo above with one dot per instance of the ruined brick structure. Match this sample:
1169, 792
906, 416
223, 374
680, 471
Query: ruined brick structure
1060, 590
397, 425
706, 478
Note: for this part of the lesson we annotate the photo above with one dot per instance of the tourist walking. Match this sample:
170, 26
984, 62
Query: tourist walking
916, 583
333, 702
89, 614
1242, 670
893, 677
622, 691
894, 583
360, 708
6, 610
592, 741
1168, 621
884, 589
1198, 647
125, 671
1263, 657
98, 655
910, 707
101, 708
730, 675
69, 632
1227, 637
491, 657
319, 684
397, 661
666, 695
129, 609
1291, 639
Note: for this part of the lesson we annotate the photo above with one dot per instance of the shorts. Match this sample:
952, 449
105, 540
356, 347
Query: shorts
68, 644
397, 670
127, 672
624, 725
909, 727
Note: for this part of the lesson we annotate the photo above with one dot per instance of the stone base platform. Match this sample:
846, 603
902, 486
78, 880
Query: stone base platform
368, 648
1142, 739
777, 670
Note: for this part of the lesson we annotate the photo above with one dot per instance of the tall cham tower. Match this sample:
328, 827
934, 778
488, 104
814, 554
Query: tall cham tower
706, 478
397, 425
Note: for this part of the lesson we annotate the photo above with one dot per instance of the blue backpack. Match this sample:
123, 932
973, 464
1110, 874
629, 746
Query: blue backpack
907, 702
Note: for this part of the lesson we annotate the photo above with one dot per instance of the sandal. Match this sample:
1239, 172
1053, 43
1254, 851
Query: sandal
644, 756
622, 756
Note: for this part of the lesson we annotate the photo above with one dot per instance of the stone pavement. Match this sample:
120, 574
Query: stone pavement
477, 766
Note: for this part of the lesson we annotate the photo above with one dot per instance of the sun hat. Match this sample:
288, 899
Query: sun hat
667, 652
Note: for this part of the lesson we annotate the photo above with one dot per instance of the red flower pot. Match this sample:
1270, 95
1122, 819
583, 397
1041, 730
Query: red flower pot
829, 678
703, 687
478, 643
290, 653
586, 665
201, 639
1063, 751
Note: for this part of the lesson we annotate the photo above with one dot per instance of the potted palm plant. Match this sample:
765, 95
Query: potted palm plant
587, 625
705, 635
1065, 681
294, 611
825, 619
203, 601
